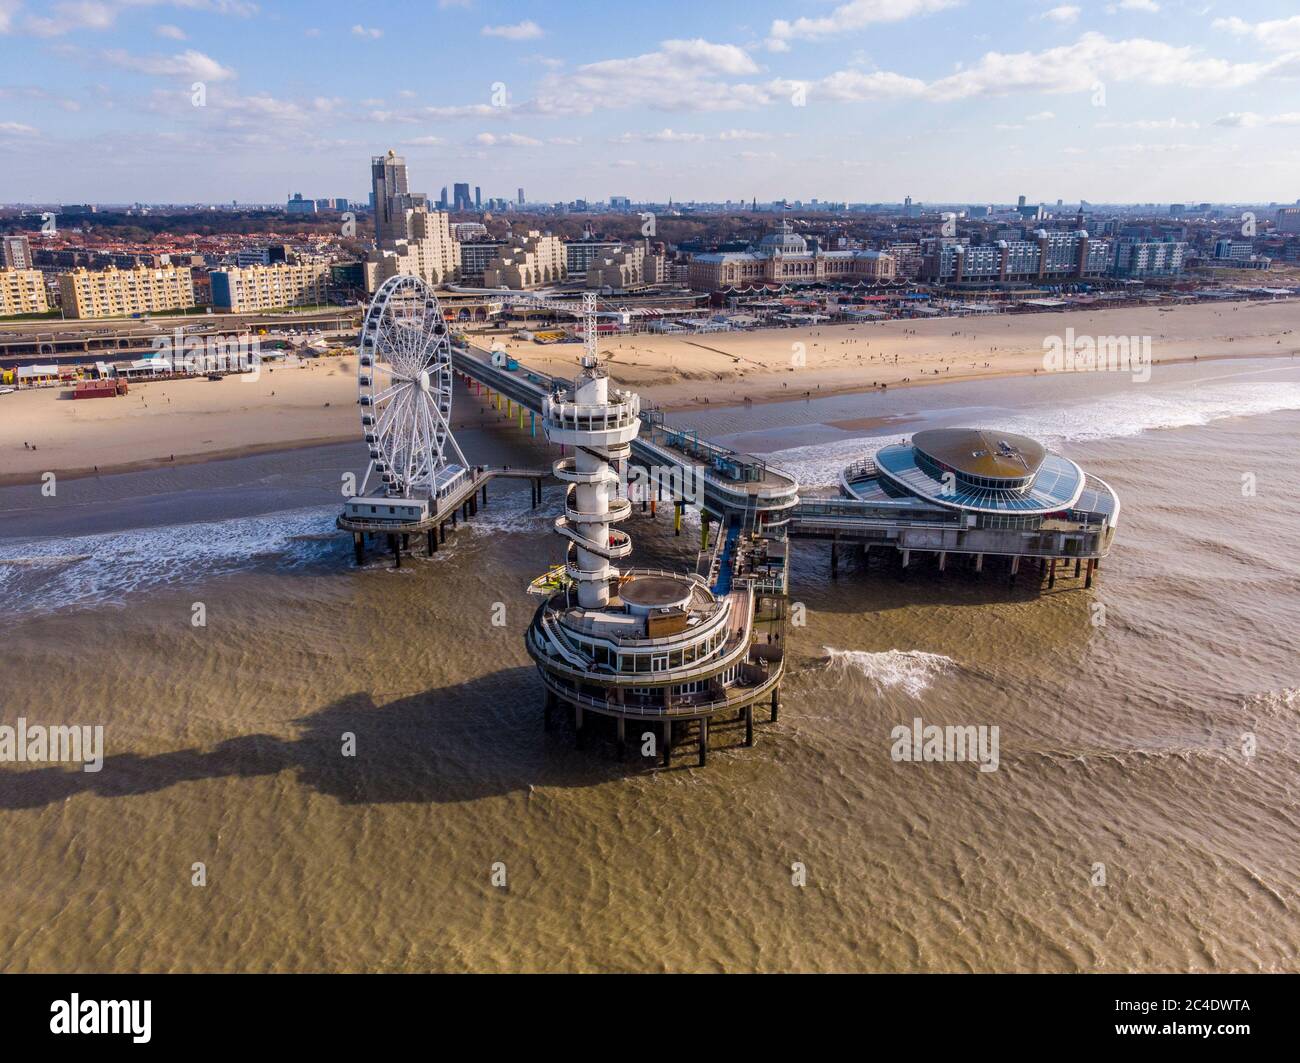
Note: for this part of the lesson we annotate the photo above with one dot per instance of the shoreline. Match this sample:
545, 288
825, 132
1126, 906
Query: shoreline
1006, 374
313, 403
31, 478
202, 457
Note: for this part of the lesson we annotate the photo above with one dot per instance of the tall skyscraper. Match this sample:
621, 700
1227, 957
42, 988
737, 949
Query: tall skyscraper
460, 196
478, 198
521, 197
442, 200
388, 176
393, 200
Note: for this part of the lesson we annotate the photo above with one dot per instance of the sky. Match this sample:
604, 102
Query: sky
178, 101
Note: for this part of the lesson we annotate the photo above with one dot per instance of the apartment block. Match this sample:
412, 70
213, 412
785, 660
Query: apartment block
117, 292
528, 262
270, 287
22, 291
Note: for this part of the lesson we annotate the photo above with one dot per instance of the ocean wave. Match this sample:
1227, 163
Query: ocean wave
910, 671
1141, 408
1282, 702
46, 575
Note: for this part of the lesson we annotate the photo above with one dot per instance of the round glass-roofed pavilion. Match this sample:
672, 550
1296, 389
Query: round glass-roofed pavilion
982, 471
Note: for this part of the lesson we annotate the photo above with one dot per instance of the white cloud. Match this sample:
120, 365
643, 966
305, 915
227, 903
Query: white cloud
846, 18
367, 31
1064, 15
1150, 123
664, 136
1092, 58
1250, 120
520, 31
1150, 6
424, 141
471, 110
682, 75
17, 128
1040, 116
506, 140
1279, 35
187, 64
845, 86
69, 16
169, 31
8, 8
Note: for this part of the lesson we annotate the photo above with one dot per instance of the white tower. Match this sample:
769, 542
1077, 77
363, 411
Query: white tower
600, 428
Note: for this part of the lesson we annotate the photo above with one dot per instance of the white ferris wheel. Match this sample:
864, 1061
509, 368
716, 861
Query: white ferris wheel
404, 387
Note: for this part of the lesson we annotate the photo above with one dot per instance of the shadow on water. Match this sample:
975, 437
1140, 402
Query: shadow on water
880, 583
478, 739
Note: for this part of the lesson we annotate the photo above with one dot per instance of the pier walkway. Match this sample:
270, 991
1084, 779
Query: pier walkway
735, 487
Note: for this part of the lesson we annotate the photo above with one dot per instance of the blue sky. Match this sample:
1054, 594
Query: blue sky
869, 100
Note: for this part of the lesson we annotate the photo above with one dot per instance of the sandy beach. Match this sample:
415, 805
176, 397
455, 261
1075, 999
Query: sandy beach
290, 406
777, 364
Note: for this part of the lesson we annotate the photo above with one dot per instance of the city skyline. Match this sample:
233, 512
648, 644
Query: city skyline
869, 101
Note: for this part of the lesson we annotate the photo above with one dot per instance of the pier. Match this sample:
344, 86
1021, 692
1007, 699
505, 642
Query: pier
683, 652
460, 503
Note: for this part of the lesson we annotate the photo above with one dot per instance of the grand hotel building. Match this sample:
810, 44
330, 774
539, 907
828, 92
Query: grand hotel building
783, 258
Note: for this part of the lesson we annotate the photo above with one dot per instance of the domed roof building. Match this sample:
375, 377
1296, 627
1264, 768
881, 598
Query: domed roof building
784, 240
976, 492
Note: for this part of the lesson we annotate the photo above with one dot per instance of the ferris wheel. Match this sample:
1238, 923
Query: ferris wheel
404, 387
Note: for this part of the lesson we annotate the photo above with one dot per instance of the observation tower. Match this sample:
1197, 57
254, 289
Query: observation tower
669, 651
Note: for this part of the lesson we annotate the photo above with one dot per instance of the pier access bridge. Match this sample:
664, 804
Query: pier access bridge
735, 489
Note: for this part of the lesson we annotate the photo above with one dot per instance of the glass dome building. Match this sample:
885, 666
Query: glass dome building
980, 492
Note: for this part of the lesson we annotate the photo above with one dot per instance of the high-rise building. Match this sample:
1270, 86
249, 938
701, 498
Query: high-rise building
1288, 220
442, 199
16, 252
410, 237
478, 198
521, 197
431, 252
388, 177
298, 205
460, 196
394, 201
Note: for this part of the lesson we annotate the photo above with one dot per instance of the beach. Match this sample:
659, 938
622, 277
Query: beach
289, 406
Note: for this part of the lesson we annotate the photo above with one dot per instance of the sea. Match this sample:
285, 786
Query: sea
314, 766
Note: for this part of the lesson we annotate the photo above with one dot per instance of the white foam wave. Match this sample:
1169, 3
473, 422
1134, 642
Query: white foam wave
42, 575
1141, 408
910, 671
